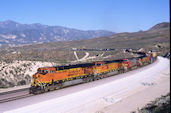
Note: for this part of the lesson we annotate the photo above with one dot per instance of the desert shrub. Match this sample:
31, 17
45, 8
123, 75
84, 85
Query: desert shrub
8, 61
28, 77
10, 84
6, 72
22, 82
3, 86
25, 65
11, 71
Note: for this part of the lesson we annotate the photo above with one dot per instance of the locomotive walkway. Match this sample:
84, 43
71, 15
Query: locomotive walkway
117, 94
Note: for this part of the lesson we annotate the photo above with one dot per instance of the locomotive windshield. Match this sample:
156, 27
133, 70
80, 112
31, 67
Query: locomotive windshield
42, 71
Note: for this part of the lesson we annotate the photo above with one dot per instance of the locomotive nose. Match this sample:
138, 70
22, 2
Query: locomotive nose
35, 79
36, 76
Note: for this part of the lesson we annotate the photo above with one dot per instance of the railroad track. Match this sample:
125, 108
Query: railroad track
14, 91
15, 98
14, 95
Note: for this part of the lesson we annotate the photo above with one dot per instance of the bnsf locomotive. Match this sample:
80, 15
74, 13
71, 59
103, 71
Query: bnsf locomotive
51, 78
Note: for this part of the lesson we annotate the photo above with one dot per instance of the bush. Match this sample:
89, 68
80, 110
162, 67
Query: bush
11, 71
28, 77
22, 82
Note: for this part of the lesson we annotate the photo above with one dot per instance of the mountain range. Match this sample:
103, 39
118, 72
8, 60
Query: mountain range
13, 33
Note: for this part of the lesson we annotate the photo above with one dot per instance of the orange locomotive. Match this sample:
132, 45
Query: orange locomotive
50, 78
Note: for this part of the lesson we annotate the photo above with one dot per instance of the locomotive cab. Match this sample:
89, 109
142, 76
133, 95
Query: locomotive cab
99, 63
45, 71
125, 63
41, 78
42, 71
41, 75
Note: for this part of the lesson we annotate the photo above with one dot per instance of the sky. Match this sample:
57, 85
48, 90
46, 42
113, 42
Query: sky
114, 15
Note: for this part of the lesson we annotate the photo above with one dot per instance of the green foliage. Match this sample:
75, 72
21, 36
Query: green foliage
160, 105
3, 86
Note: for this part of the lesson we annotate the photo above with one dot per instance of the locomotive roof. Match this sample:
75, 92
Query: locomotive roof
83, 65
89, 64
111, 61
73, 66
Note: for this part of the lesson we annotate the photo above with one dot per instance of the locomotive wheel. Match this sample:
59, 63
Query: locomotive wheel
104, 76
94, 79
98, 78
37, 92
60, 85
85, 80
56, 87
41, 90
91, 79
51, 88
46, 89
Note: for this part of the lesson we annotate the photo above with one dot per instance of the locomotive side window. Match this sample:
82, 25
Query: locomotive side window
51, 71
42, 71
45, 71
38, 71
98, 64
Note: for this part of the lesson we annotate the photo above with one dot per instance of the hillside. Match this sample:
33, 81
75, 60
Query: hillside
159, 26
156, 38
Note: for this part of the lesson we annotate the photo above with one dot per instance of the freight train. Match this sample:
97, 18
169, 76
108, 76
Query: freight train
52, 78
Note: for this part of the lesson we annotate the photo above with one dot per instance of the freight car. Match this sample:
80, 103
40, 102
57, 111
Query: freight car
51, 78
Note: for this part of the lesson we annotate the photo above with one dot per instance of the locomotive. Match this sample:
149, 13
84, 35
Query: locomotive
52, 78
